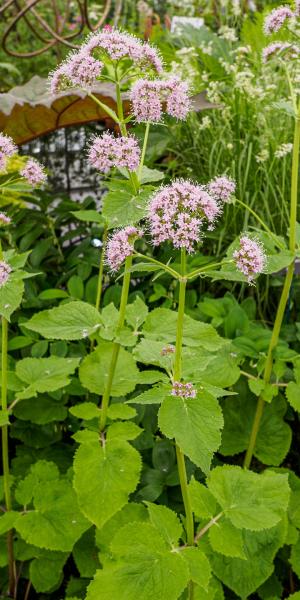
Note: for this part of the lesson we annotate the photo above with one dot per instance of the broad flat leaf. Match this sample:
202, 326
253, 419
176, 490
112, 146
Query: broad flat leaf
109, 473
55, 521
161, 325
47, 571
274, 436
44, 374
154, 395
121, 208
85, 410
245, 576
119, 410
70, 321
149, 569
136, 313
166, 522
295, 558
195, 423
11, 295
40, 410
132, 512
89, 216
123, 431
220, 369
293, 395
7, 521
248, 499
151, 175
226, 539
94, 370
29, 111
86, 555
199, 566
203, 503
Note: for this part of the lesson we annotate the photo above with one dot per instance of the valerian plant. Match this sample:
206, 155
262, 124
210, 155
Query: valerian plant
230, 522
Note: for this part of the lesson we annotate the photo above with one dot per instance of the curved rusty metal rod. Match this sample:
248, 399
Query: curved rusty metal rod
30, 25
12, 25
100, 22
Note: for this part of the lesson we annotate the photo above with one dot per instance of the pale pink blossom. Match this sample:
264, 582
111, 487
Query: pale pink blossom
4, 219
276, 19
7, 149
279, 48
297, 8
107, 151
5, 270
34, 172
178, 213
183, 390
78, 70
121, 245
222, 188
150, 98
250, 258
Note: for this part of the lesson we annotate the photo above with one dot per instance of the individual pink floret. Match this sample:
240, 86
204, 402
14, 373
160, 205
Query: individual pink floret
183, 390
4, 219
121, 245
5, 270
222, 188
250, 258
107, 151
7, 149
34, 172
276, 19
149, 97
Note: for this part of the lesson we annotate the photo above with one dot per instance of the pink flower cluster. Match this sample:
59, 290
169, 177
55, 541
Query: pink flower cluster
118, 45
148, 98
107, 151
7, 149
183, 390
4, 219
297, 8
250, 258
33, 172
79, 70
276, 19
121, 245
222, 188
5, 270
177, 212
279, 48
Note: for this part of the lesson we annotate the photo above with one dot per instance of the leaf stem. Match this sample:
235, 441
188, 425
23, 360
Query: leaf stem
177, 377
5, 459
144, 150
157, 262
284, 294
116, 345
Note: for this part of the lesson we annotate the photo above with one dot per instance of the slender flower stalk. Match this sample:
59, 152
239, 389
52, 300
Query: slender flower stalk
146, 136
116, 345
284, 294
5, 460
177, 377
101, 269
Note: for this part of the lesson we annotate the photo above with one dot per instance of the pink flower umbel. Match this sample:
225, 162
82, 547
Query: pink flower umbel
117, 45
107, 151
250, 258
222, 188
148, 97
183, 390
177, 213
34, 172
7, 149
276, 19
121, 245
5, 270
78, 70
280, 48
4, 219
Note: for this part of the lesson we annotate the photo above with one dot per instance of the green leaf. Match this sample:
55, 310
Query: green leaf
151, 175
293, 395
108, 473
195, 423
44, 374
94, 371
226, 539
199, 566
46, 572
85, 410
70, 321
75, 287
250, 500
53, 294
166, 522
40, 410
7, 521
85, 554
4, 417
203, 503
123, 431
153, 396
132, 512
136, 313
11, 295
88, 216
121, 208
295, 558
119, 410
245, 576
55, 521
276, 262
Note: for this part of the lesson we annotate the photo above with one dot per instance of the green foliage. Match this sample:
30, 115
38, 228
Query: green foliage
93, 372
71, 321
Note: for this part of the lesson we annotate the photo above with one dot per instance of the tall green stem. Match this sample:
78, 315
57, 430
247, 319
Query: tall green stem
132, 176
177, 377
284, 295
116, 345
5, 459
101, 269
146, 136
